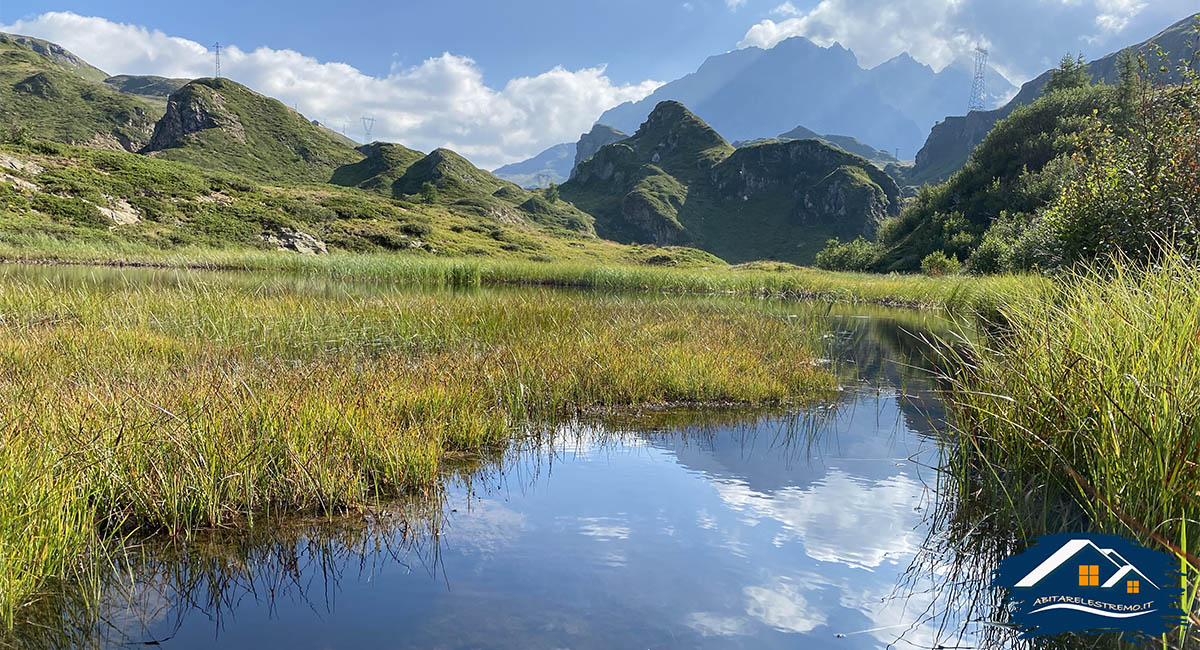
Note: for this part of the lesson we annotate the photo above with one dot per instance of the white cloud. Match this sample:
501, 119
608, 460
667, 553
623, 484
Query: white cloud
1116, 14
781, 606
1025, 36
711, 624
734, 5
922, 27
786, 9
830, 515
441, 102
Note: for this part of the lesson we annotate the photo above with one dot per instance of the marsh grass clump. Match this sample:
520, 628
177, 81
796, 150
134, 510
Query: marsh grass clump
1085, 410
211, 400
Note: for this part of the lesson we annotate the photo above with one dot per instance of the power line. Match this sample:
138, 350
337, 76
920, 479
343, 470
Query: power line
368, 124
977, 85
217, 47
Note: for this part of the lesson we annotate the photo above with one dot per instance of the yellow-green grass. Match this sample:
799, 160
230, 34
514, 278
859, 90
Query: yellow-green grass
210, 400
1092, 399
962, 294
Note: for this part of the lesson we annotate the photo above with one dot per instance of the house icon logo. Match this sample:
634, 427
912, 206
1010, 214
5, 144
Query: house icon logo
1088, 583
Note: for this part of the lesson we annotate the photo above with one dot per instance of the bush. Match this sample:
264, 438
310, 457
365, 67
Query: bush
416, 229
858, 255
938, 263
1135, 194
429, 193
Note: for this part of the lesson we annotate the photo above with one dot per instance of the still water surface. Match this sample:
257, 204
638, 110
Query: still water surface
693, 529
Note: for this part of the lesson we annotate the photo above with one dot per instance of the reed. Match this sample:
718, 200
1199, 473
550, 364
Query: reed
212, 400
1084, 411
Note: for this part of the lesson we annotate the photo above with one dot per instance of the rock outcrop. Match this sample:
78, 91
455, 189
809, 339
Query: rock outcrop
287, 239
191, 111
591, 142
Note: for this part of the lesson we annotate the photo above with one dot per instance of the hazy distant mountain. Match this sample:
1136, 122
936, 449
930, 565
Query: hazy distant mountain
952, 140
558, 163
754, 93
550, 166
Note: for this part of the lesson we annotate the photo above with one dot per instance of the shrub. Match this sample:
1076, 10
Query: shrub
416, 229
858, 255
938, 263
1138, 193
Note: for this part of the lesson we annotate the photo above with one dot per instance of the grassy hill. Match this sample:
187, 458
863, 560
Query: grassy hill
48, 93
56, 200
151, 89
845, 143
401, 173
678, 182
225, 126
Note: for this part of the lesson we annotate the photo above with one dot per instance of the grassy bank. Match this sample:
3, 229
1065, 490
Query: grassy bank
959, 293
212, 400
1086, 411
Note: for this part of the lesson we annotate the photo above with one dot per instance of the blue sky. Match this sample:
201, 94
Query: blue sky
501, 80
638, 39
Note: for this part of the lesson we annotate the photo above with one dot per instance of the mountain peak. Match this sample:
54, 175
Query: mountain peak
906, 61
671, 120
673, 136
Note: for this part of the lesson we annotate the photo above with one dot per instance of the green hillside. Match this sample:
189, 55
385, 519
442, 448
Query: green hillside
401, 173
57, 198
591, 142
677, 181
384, 163
845, 143
145, 85
50, 94
222, 125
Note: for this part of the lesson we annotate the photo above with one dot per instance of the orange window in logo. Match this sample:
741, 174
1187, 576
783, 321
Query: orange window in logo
1133, 586
1089, 575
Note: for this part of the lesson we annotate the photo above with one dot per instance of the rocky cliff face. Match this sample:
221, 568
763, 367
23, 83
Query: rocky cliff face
677, 182
951, 142
193, 109
591, 142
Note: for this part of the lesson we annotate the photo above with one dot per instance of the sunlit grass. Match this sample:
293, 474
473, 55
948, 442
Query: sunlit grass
1095, 397
959, 293
210, 401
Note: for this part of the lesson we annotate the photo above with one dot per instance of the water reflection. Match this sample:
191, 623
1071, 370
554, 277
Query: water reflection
822, 527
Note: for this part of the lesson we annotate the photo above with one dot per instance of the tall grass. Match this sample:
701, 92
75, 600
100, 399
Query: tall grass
962, 294
1093, 399
210, 401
